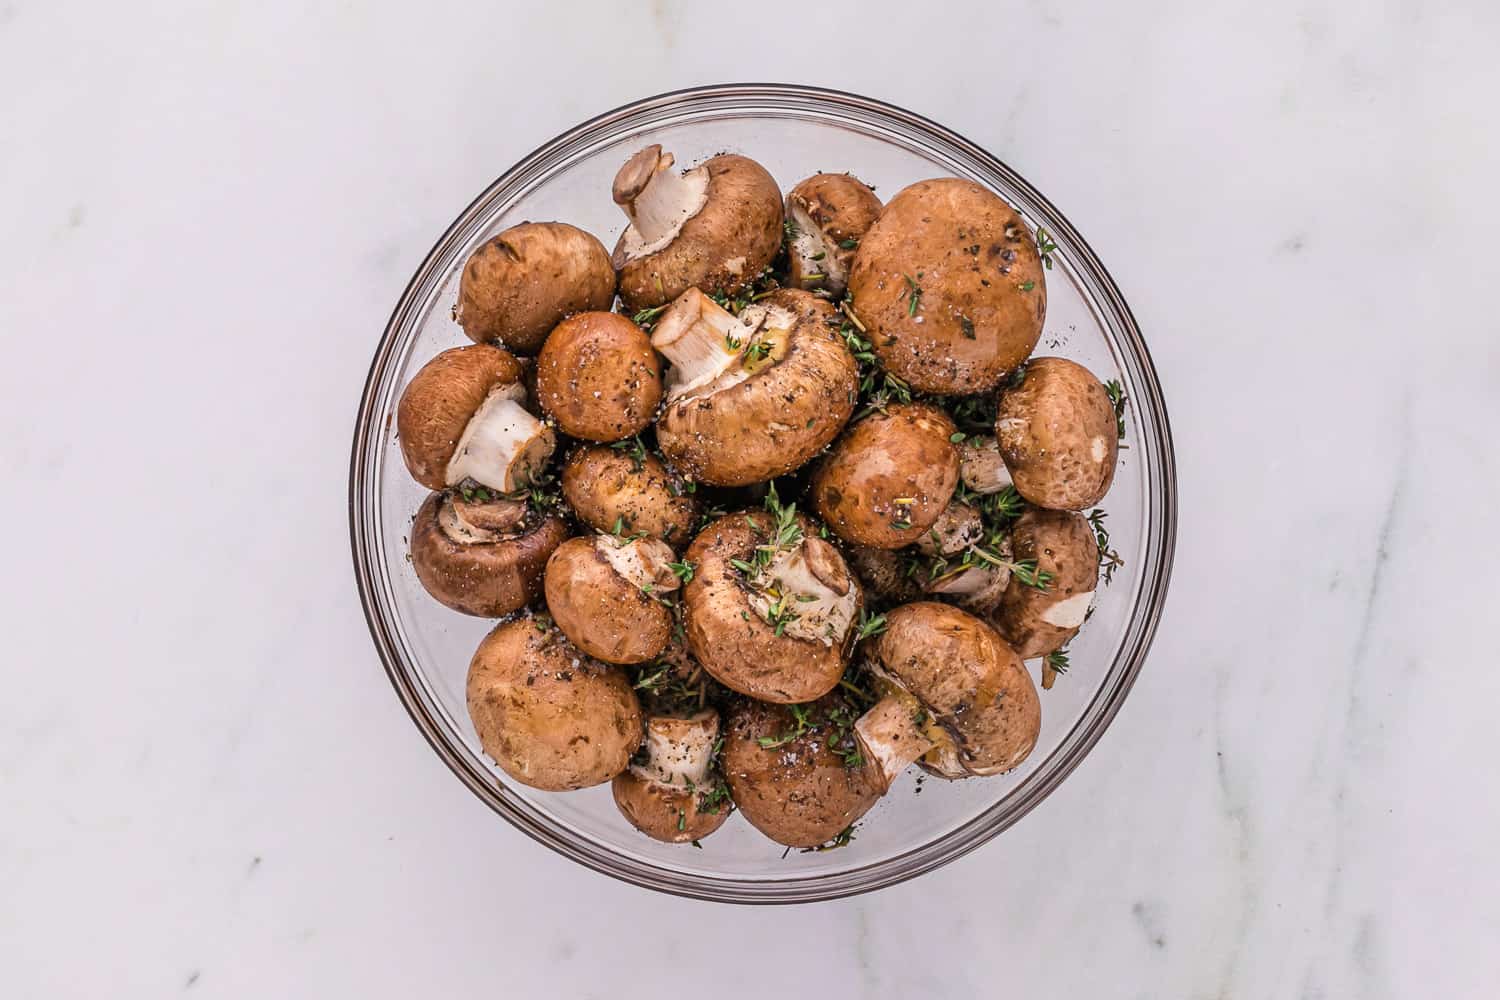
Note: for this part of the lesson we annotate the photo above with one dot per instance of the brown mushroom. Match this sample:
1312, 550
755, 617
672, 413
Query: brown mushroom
462, 417
953, 693
1058, 435
520, 284
956, 528
888, 478
598, 377
753, 396
1038, 620
770, 609
605, 593
550, 716
482, 557
949, 285
629, 490
714, 227
828, 214
886, 573
670, 791
795, 771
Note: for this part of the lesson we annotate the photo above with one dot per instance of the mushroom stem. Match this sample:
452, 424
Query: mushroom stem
479, 523
894, 733
980, 466
809, 592
679, 751
816, 253
701, 339
955, 529
657, 199
503, 445
641, 561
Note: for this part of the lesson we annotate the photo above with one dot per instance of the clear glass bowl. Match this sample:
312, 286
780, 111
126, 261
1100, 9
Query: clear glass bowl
793, 131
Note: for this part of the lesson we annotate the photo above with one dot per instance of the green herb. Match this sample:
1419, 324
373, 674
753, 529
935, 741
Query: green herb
848, 244
758, 351
1118, 400
542, 621
646, 318
848, 309
913, 294
844, 838
1058, 661
633, 447
1027, 286
966, 326
869, 625
618, 531
1109, 559
789, 229
650, 682
731, 342
957, 437
1045, 246
801, 717
684, 570
681, 819
1016, 377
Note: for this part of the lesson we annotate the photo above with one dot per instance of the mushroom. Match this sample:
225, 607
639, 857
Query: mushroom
888, 478
770, 609
550, 716
716, 226
629, 488
670, 792
598, 377
604, 593
886, 573
520, 284
956, 528
1041, 620
953, 693
1057, 431
980, 466
949, 285
462, 417
482, 557
796, 771
828, 213
753, 396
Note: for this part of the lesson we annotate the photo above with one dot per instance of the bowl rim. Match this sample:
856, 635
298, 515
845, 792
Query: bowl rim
1161, 530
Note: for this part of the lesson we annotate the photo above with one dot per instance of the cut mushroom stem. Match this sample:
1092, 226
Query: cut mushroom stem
678, 752
470, 522
980, 466
957, 527
807, 593
701, 339
820, 263
644, 562
657, 199
503, 445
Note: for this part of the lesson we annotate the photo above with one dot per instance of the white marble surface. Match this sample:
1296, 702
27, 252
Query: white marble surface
206, 785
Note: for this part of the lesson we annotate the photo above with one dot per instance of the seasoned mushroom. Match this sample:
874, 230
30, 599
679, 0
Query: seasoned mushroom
956, 528
605, 594
551, 717
770, 609
1057, 433
949, 286
980, 466
629, 489
829, 213
482, 557
796, 772
1039, 621
953, 692
598, 377
886, 480
462, 417
886, 574
670, 791
715, 227
753, 396
520, 284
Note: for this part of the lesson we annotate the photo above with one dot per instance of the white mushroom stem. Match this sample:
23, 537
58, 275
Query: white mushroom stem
955, 529
657, 199
503, 445
977, 586
641, 561
1070, 611
702, 340
894, 733
807, 589
816, 253
980, 466
509, 517
679, 752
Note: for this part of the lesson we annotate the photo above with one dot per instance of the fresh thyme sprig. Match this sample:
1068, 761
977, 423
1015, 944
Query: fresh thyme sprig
1109, 559
1118, 400
802, 720
844, 838
869, 625
1045, 246
633, 447
913, 293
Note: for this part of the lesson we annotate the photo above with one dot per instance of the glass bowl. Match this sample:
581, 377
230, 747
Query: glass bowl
793, 131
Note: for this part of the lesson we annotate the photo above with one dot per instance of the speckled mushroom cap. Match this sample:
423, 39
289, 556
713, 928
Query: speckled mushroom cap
608, 486
489, 578
606, 594
1058, 435
1062, 543
974, 270
598, 377
440, 400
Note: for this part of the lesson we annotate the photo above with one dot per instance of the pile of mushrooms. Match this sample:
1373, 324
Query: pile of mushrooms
771, 503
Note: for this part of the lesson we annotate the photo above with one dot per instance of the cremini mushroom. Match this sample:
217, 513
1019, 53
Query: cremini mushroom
714, 227
828, 214
605, 593
980, 465
598, 377
551, 716
1038, 620
752, 396
1058, 435
888, 575
671, 792
886, 480
462, 417
949, 285
629, 489
483, 555
521, 283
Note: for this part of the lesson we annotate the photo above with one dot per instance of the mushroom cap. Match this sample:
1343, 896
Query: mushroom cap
738, 647
551, 717
884, 573
606, 485
598, 377
1058, 435
607, 616
670, 791
662, 812
724, 247
841, 208
974, 685
983, 294
439, 402
777, 419
799, 793
486, 579
902, 453
1038, 622
521, 283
